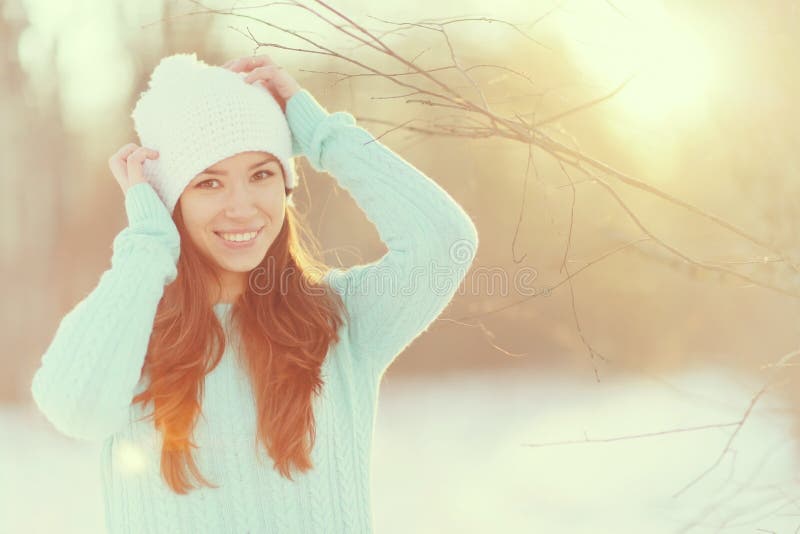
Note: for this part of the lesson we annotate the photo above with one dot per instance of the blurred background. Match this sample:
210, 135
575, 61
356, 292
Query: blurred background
642, 380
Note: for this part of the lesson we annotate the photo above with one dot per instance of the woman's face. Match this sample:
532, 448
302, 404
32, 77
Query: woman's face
241, 194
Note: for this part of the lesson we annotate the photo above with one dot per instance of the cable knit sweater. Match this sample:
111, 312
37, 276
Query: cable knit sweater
91, 370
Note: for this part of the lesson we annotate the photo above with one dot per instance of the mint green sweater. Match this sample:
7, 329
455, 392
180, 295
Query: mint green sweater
90, 372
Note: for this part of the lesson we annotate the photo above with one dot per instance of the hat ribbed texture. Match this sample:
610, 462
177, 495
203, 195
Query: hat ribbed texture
195, 115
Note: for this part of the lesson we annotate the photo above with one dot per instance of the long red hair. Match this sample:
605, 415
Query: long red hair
284, 334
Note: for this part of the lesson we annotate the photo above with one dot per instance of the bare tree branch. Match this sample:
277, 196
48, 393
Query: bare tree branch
739, 424
587, 439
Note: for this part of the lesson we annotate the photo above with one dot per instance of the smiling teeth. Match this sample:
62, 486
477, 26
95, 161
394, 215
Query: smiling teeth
238, 237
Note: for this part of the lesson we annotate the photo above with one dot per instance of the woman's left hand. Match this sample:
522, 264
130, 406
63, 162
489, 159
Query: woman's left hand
273, 77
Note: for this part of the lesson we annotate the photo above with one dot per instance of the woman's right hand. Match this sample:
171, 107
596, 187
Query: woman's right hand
127, 164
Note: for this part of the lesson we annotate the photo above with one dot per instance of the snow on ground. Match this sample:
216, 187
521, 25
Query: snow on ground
450, 455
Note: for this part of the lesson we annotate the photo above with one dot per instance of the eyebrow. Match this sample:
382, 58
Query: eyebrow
260, 163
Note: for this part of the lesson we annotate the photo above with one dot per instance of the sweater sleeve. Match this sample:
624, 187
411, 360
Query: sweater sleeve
431, 241
89, 373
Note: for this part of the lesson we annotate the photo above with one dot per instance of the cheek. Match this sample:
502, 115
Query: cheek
274, 201
193, 220
196, 234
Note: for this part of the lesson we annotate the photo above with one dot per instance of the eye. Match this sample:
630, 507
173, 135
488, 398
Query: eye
201, 185
269, 174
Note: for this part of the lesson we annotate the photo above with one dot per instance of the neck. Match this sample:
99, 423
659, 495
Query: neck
232, 288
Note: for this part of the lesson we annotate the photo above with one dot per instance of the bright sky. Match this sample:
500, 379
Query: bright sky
675, 55
675, 58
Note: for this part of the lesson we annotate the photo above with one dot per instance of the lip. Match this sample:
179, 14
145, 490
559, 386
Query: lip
238, 246
241, 230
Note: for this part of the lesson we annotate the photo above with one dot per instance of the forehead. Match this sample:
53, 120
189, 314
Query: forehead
243, 159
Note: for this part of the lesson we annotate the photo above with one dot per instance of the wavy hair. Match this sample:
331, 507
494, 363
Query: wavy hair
284, 335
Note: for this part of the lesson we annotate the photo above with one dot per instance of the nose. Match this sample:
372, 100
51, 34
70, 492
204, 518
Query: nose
240, 202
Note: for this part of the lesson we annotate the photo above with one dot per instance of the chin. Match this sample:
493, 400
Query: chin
240, 262
241, 265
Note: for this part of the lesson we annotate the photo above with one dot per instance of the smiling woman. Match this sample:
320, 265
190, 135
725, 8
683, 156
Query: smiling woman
234, 219
218, 345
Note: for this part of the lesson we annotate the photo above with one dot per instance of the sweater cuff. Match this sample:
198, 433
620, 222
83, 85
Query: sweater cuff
143, 205
304, 113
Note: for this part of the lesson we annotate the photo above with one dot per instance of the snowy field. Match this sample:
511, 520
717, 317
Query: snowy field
450, 456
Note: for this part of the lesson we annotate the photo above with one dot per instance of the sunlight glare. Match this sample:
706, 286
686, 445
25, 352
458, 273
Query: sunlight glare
131, 458
673, 64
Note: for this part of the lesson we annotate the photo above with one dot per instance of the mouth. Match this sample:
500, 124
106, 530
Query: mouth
235, 245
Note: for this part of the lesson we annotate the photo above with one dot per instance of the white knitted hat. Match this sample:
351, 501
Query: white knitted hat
195, 115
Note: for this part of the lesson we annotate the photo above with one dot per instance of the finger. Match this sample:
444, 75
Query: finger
117, 168
242, 64
263, 59
125, 150
231, 62
249, 63
260, 60
135, 162
117, 163
142, 153
261, 72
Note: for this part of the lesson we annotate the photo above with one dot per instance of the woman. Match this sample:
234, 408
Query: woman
216, 346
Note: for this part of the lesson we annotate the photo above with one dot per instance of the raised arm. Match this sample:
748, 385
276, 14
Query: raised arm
87, 377
431, 241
